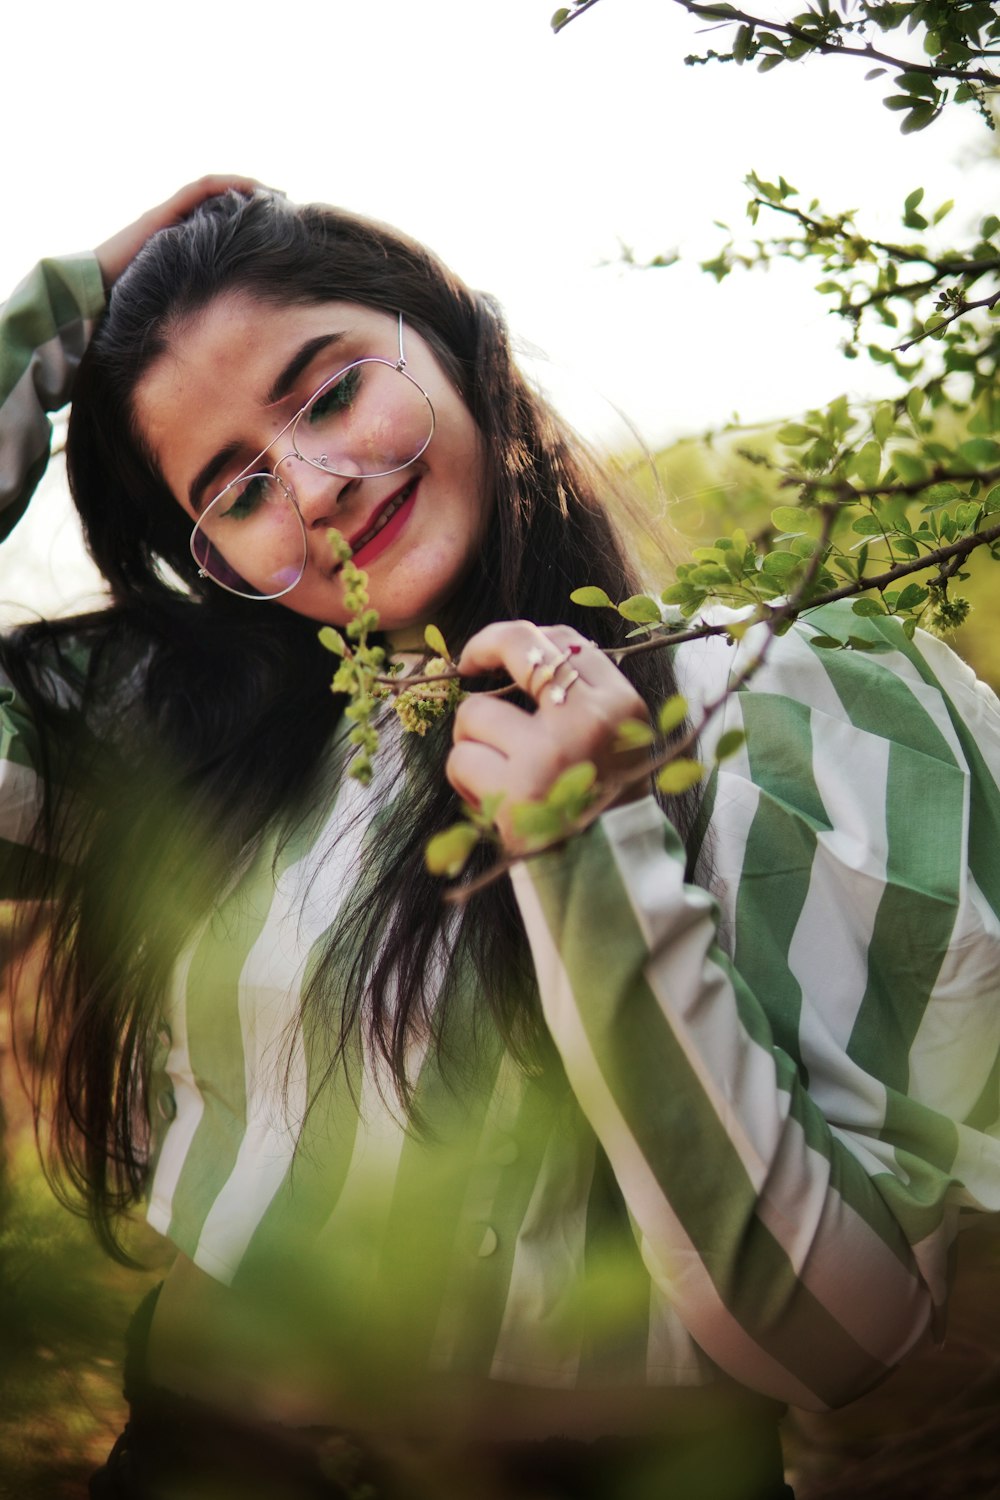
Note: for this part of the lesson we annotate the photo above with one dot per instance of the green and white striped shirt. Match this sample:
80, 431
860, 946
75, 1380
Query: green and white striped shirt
772, 1099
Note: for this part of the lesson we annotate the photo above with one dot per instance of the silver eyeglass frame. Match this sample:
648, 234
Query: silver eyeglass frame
322, 464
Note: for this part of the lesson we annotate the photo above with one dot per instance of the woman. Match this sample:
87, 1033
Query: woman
564, 1194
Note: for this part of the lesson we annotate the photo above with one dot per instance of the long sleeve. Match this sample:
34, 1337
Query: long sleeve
796, 1113
44, 329
20, 794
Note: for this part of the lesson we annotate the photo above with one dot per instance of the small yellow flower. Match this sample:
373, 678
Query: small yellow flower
423, 704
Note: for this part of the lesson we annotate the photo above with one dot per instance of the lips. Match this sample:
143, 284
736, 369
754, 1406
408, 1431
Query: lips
384, 526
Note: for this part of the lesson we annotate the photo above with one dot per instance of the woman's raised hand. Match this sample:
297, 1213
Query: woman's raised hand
115, 253
581, 699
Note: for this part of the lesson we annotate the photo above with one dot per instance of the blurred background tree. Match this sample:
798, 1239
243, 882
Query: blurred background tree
911, 483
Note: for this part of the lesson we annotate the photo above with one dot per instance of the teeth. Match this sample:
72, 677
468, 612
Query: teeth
384, 519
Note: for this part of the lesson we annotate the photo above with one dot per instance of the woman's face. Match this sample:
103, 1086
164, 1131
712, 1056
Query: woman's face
237, 372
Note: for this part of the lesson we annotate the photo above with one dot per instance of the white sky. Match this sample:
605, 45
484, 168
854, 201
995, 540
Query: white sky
521, 157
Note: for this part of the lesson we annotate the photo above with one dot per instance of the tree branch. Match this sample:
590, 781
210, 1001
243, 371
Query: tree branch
904, 253
960, 311
615, 785
819, 43
728, 14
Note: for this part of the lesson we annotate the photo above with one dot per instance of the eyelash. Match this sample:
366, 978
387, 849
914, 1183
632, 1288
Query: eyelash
342, 392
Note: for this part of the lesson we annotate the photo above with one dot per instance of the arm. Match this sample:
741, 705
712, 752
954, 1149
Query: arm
804, 1247
44, 329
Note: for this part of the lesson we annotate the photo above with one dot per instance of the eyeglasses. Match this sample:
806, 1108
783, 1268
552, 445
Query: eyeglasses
368, 420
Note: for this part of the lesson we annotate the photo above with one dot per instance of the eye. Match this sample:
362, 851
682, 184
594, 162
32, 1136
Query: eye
246, 497
336, 397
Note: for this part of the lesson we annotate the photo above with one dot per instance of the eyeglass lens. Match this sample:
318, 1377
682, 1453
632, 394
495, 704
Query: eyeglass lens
371, 419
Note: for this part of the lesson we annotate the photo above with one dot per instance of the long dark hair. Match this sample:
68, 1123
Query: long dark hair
181, 697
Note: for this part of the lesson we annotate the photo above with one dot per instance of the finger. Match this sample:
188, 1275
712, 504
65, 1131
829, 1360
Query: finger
529, 757
477, 771
118, 251
491, 721
187, 198
523, 650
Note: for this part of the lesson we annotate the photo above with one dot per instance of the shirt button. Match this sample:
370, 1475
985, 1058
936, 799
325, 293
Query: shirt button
488, 1242
506, 1153
166, 1104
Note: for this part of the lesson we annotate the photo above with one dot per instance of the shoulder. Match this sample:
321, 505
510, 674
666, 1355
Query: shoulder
879, 683
867, 768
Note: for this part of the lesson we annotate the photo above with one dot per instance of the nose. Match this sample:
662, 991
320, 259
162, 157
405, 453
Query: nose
318, 492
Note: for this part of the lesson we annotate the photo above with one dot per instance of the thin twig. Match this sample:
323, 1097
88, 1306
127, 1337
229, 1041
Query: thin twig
615, 785
946, 559
838, 228
963, 308
729, 14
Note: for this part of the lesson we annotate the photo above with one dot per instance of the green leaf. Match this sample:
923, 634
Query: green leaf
967, 515
447, 853
632, 734
867, 464
826, 643
793, 519
867, 607
729, 743
681, 593
884, 421
679, 775
868, 526
573, 785
793, 434
939, 493
780, 564
708, 575
333, 640
641, 609
986, 416
591, 598
909, 466
560, 18
672, 713
981, 453
537, 822
435, 640
912, 597
919, 119
489, 807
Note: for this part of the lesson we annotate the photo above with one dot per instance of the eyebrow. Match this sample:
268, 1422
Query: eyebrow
299, 361
283, 383
205, 475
